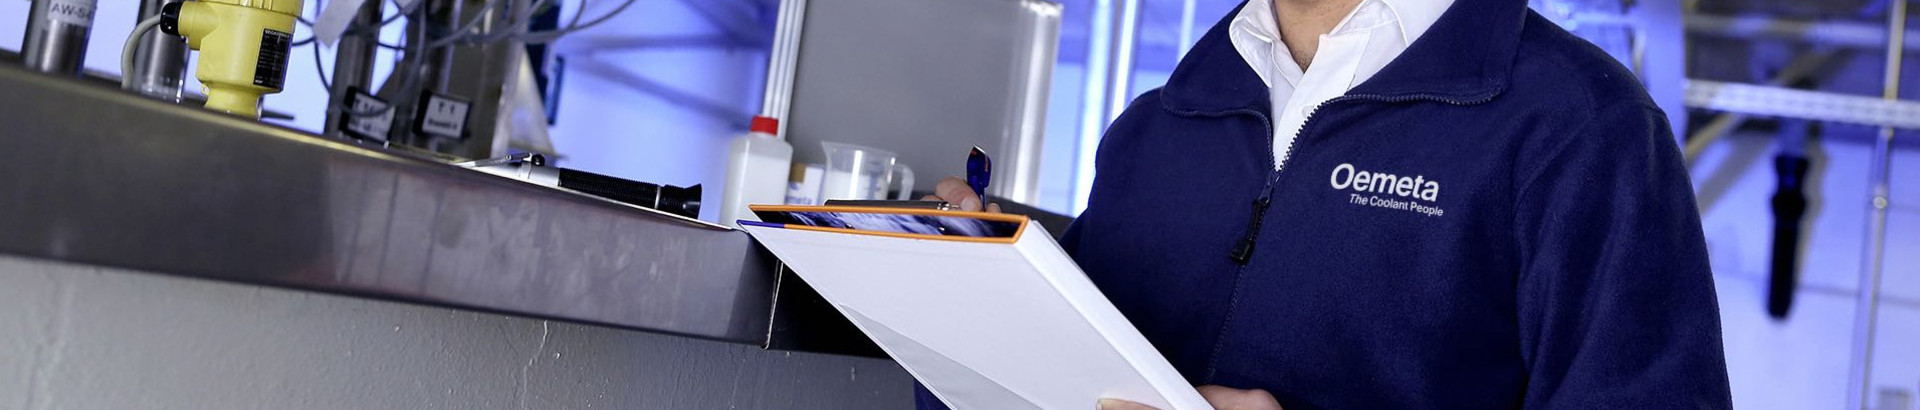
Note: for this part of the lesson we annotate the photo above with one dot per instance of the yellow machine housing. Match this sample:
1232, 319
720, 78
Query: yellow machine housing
243, 48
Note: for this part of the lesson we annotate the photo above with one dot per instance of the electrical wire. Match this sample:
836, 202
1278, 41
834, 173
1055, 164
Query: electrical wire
551, 35
461, 32
408, 80
133, 45
514, 28
575, 21
355, 29
321, 69
317, 67
403, 11
515, 25
518, 27
310, 39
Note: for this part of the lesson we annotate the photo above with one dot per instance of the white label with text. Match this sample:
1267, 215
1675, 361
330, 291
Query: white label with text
75, 12
445, 117
373, 126
1379, 189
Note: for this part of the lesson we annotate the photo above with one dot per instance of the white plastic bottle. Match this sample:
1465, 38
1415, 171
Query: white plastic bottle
757, 167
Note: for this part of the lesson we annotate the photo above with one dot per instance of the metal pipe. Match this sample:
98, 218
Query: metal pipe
1867, 311
1125, 42
56, 39
1187, 10
1024, 139
353, 64
1093, 118
445, 70
160, 63
782, 62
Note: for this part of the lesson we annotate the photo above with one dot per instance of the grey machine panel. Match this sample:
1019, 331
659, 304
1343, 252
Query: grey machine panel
928, 79
98, 176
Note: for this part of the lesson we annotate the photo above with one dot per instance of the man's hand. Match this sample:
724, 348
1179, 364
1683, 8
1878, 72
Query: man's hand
1223, 398
955, 191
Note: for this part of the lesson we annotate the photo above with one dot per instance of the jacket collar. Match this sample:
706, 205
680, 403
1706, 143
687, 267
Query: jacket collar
1464, 58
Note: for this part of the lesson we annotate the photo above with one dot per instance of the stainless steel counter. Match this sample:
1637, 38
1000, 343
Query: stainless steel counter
101, 177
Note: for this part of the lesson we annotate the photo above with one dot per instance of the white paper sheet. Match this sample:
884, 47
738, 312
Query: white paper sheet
983, 325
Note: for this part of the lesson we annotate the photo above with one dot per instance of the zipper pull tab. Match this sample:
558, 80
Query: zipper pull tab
1243, 249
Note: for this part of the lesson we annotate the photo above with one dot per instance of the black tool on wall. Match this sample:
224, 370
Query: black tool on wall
672, 199
1789, 207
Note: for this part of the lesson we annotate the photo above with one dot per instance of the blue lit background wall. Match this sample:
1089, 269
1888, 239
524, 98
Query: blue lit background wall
1105, 62
657, 93
1805, 360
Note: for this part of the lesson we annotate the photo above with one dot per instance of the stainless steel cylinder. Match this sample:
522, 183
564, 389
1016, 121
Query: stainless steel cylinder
160, 63
56, 39
353, 65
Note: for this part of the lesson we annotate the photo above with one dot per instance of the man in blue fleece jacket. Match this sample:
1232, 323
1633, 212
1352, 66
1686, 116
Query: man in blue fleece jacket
1369, 204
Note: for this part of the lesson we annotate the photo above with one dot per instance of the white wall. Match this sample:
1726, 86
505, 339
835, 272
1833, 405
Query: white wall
612, 124
1803, 361
91, 338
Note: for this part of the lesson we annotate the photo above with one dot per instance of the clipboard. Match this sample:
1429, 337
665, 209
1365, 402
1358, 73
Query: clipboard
984, 309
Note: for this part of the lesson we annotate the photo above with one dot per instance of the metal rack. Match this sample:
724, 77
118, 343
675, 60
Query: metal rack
1776, 101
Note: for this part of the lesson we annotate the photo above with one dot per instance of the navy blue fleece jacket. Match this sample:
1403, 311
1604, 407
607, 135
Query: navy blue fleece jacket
1498, 219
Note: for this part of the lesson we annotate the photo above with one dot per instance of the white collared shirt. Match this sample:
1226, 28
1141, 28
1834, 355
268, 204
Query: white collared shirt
1372, 35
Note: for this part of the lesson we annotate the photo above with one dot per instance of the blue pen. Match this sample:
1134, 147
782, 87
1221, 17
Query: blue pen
979, 172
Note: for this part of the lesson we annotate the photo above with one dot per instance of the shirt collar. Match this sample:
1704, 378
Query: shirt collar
1417, 16
1464, 56
1254, 32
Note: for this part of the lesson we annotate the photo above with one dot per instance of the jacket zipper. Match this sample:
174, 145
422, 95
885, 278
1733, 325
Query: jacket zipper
1243, 249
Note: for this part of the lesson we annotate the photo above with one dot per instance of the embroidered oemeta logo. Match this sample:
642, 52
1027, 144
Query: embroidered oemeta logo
1378, 189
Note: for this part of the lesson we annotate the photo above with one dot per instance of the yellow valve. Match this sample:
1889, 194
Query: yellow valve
243, 47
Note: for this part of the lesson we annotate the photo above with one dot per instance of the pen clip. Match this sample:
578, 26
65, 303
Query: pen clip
979, 173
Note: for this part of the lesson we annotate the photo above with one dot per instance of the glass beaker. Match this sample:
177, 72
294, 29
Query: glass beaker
861, 173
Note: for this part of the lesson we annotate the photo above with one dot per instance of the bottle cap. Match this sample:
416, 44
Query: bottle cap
763, 124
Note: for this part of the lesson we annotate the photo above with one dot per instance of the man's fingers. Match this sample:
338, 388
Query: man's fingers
1227, 398
1117, 404
955, 191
